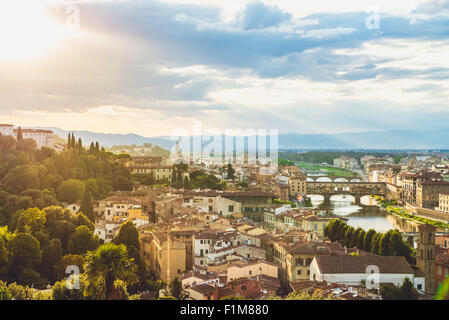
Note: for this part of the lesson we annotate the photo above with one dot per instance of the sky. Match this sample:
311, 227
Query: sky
152, 67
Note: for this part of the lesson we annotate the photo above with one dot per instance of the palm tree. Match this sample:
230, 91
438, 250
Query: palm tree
106, 265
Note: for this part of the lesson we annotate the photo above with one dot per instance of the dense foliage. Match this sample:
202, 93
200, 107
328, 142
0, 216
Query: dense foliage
31, 177
385, 244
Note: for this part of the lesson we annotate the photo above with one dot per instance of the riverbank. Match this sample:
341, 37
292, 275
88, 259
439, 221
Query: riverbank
391, 208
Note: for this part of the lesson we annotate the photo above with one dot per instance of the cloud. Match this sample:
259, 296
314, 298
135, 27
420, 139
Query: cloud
261, 64
257, 15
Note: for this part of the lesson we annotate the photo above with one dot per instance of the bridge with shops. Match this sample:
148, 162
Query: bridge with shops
355, 189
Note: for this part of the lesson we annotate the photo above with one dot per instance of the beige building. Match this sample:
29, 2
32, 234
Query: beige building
443, 202
255, 268
428, 193
294, 259
166, 258
297, 184
159, 172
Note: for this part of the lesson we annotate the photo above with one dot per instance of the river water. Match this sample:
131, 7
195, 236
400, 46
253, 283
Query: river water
368, 218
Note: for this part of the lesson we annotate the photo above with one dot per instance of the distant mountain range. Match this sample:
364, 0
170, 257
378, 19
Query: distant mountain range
392, 139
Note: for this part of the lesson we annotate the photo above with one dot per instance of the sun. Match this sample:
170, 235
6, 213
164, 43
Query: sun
27, 31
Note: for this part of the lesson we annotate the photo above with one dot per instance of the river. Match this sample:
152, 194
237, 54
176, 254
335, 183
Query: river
370, 217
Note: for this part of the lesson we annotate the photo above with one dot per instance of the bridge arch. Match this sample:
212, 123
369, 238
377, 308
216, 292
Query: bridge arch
316, 198
342, 197
323, 179
355, 180
341, 180
366, 200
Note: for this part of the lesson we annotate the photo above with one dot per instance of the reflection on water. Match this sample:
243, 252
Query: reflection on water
373, 218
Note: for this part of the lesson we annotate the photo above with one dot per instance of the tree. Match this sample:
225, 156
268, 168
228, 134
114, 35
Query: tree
128, 235
4, 263
51, 256
21, 178
105, 266
92, 148
19, 134
232, 298
359, 236
25, 252
407, 290
86, 205
32, 220
27, 145
80, 145
375, 244
60, 291
390, 292
230, 172
83, 220
122, 183
73, 142
68, 260
349, 237
70, 190
385, 245
367, 240
82, 240
176, 290
69, 140
97, 147
173, 175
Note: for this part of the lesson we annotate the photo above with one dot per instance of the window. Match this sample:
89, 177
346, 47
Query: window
250, 272
231, 208
419, 286
299, 272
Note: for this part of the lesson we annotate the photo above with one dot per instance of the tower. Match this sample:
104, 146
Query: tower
425, 256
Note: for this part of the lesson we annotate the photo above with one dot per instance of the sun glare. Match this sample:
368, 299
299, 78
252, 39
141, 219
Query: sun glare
27, 31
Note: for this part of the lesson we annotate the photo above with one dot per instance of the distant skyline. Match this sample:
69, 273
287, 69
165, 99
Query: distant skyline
150, 67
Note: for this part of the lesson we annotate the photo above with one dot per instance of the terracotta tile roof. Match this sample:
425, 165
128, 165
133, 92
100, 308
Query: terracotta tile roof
204, 289
358, 264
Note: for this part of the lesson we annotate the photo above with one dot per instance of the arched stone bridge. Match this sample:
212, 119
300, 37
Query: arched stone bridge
355, 189
333, 178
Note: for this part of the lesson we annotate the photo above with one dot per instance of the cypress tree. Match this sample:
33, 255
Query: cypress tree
385, 245
69, 141
375, 244
80, 145
92, 148
73, 142
19, 134
179, 177
173, 175
86, 206
97, 147
230, 171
